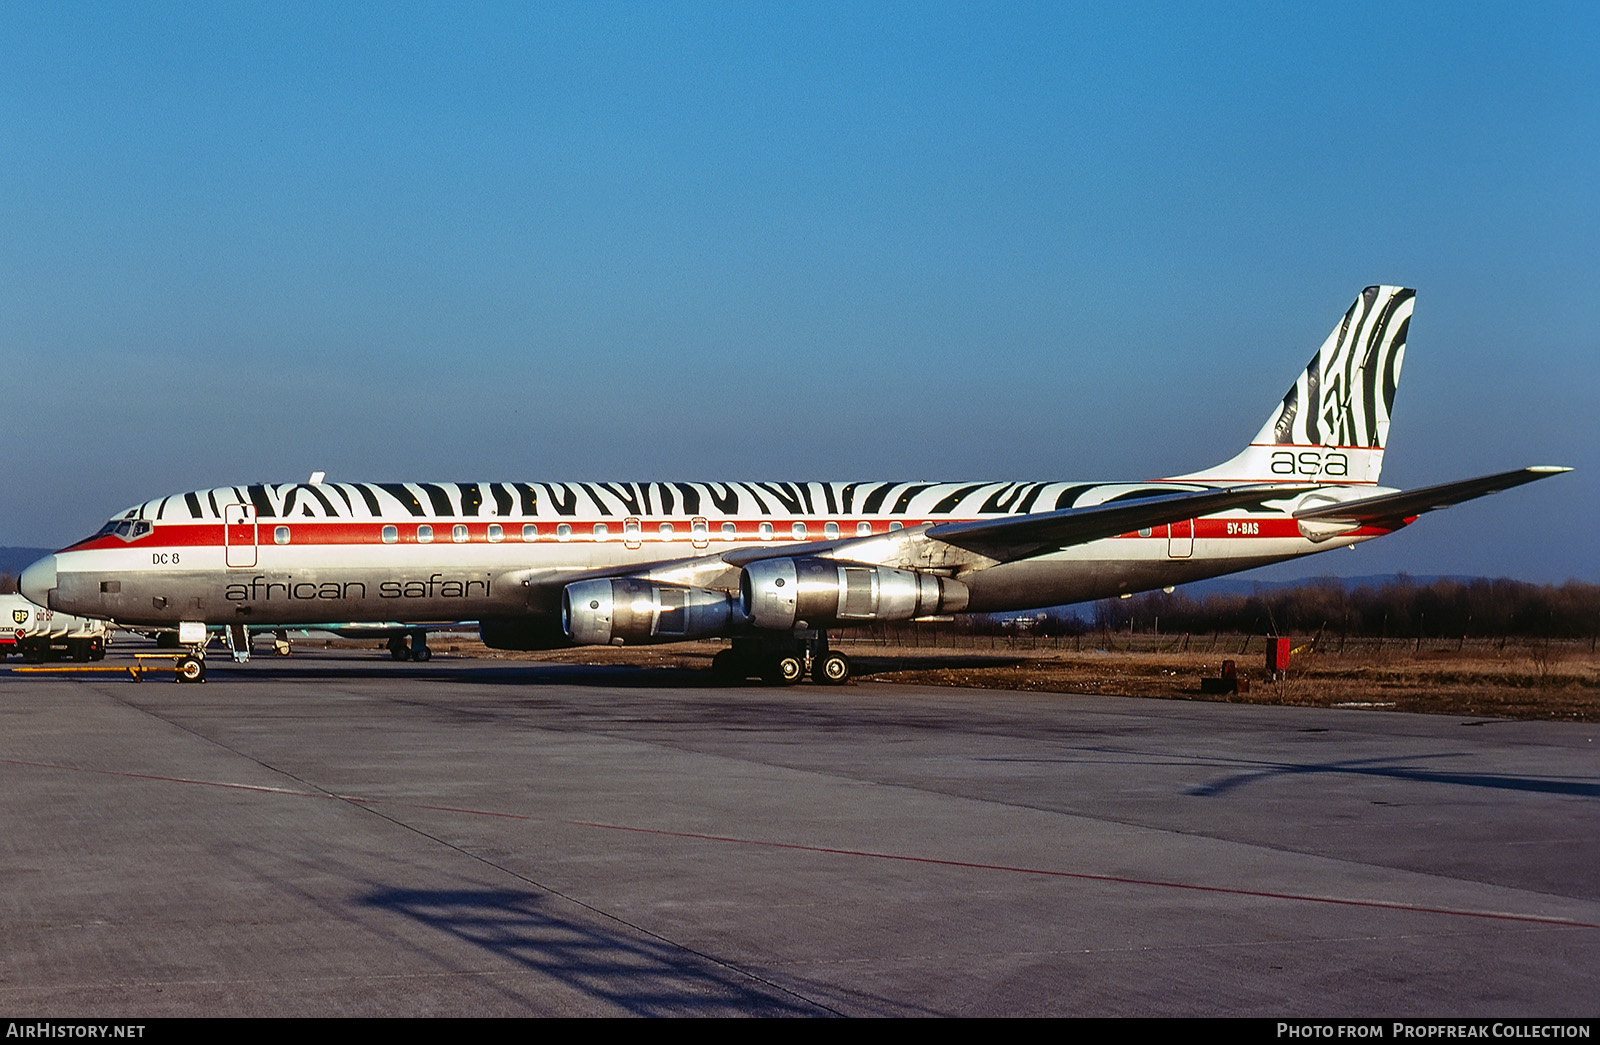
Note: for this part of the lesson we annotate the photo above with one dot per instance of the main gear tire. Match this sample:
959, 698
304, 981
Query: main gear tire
831, 669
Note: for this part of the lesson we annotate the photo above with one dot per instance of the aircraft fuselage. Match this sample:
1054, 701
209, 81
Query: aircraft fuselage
359, 552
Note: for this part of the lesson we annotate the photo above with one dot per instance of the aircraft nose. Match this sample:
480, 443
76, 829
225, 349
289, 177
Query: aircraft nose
39, 580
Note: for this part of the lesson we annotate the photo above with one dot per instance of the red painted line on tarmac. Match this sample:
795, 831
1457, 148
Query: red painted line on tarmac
830, 851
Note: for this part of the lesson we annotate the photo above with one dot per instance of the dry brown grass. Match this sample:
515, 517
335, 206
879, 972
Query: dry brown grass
1560, 687
1535, 680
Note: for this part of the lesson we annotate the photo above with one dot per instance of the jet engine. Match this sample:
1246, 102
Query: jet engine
786, 593
627, 609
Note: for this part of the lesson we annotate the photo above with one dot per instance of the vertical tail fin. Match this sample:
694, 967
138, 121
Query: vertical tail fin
1334, 421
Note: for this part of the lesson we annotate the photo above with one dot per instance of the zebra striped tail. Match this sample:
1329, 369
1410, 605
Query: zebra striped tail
1334, 420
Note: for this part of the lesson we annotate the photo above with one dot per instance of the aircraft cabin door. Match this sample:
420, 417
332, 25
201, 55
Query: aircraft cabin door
1180, 539
239, 534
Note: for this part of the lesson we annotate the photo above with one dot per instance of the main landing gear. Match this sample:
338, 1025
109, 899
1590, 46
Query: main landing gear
417, 649
782, 660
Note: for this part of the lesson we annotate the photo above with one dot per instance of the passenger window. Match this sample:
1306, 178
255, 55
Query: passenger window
496, 533
897, 525
799, 531
601, 530
666, 531
631, 528
424, 534
563, 532
765, 531
830, 530
529, 531
458, 533
391, 534
729, 531
863, 529
280, 535
700, 528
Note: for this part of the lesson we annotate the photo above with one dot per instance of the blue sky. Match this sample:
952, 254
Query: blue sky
630, 241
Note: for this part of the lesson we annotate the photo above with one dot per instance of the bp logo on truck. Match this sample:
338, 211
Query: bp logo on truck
20, 616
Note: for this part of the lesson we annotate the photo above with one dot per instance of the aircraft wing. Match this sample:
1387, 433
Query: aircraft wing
375, 630
1398, 507
1009, 538
984, 541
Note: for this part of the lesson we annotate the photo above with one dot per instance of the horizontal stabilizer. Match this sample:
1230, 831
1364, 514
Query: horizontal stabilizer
1013, 537
1398, 507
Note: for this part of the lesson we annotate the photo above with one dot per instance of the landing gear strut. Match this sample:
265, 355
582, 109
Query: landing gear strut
192, 637
416, 650
782, 660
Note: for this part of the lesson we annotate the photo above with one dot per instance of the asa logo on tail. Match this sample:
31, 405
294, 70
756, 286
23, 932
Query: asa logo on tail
1333, 464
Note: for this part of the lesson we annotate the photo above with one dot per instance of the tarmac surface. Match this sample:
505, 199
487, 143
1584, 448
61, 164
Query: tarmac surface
335, 834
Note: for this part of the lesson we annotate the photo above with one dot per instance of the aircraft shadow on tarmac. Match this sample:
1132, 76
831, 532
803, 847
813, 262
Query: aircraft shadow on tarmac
1375, 767
638, 975
536, 673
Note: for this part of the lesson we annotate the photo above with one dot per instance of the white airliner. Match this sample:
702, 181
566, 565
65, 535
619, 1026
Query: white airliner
770, 565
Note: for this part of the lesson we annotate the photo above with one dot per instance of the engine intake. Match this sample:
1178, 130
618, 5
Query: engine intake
627, 609
784, 593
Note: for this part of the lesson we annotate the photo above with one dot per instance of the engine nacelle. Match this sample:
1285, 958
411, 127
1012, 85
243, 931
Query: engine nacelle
785, 593
630, 610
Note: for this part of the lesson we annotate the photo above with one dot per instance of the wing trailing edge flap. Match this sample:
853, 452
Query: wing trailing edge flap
985, 542
1022, 537
1397, 508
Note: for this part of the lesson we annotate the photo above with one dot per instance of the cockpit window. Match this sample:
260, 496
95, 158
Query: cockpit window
129, 529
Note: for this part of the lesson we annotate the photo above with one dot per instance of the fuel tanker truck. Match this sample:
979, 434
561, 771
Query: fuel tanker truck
36, 633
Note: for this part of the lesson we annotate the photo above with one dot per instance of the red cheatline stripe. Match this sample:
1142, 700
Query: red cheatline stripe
304, 532
316, 533
860, 853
